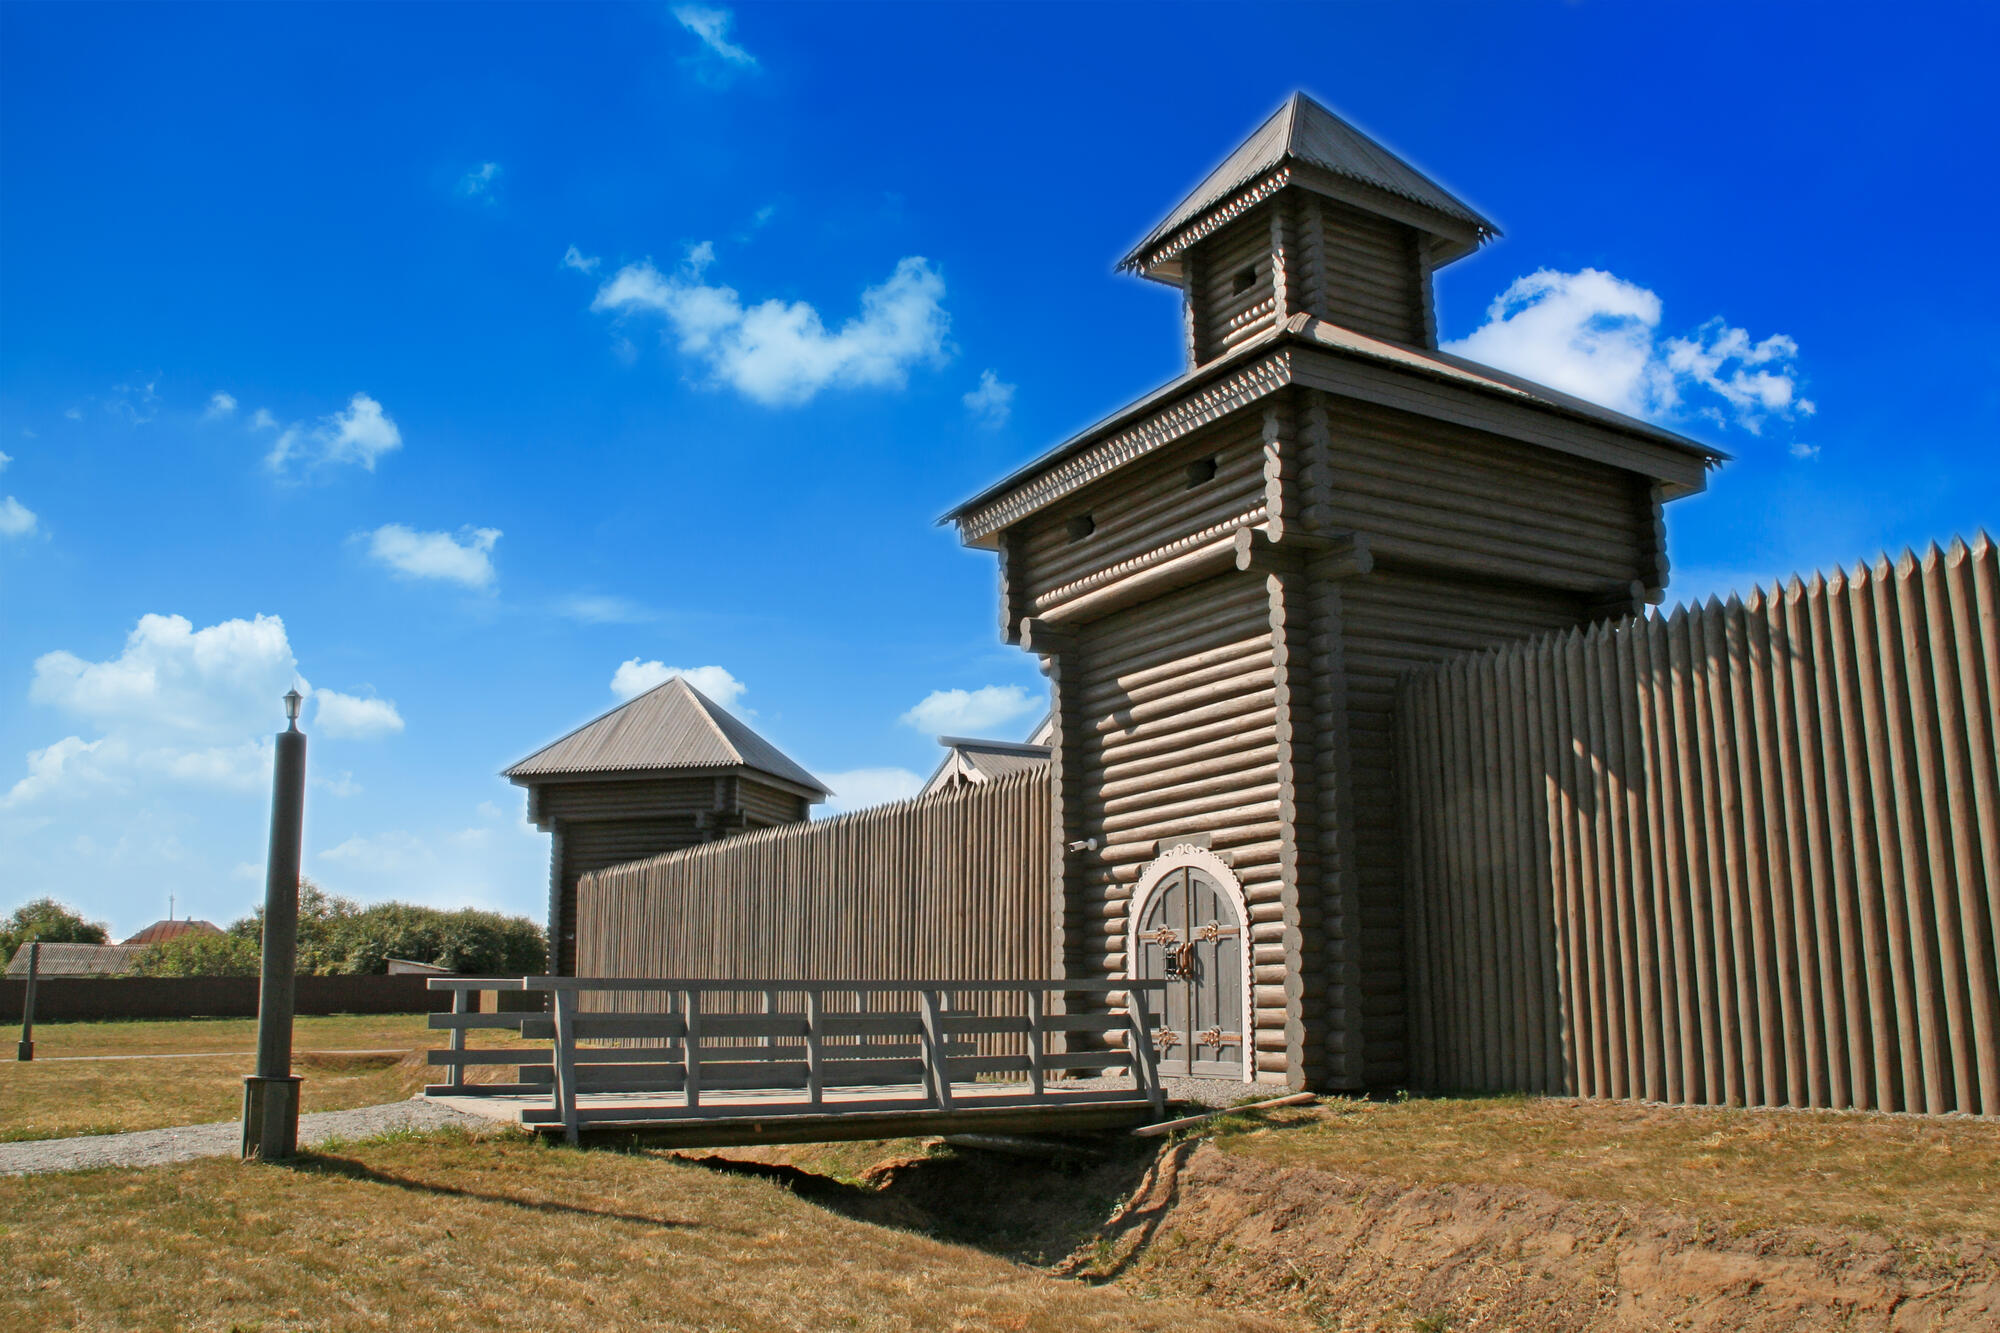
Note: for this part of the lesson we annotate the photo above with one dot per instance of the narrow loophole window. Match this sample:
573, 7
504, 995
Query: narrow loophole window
1081, 526
1199, 471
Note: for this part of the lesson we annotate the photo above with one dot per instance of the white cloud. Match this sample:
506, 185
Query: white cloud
6, 458
465, 559
16, 519
862, 788
1757, 380
73, 413
391, 853
243, 767
582, 263
633, 678
178, 707
780, 353
992, 402
360, 434
262, 419
712, 27
341, 784
1594, 335
220, 405
136, 403
601, 610
970, 712
72, 764
172, 678
478, 182
1800, 449
345, 716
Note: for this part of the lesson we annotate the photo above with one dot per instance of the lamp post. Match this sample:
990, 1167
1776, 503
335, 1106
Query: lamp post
271, 1095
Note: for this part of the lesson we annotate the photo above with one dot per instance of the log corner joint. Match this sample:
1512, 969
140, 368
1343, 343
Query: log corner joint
1332, 555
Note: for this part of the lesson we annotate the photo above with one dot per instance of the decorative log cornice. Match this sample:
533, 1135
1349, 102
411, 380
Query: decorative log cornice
1221, 215
1210, 403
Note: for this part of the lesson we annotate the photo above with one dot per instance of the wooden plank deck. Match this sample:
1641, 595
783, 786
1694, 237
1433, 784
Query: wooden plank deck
748, 1116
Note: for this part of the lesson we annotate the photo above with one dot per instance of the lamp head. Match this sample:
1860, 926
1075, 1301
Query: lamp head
292, 701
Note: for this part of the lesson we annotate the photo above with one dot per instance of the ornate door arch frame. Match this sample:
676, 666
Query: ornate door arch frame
1188, 856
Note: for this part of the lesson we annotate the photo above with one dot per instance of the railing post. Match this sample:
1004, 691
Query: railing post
770, 1010
691, 1051
1037, 1060
1145, 1059
459, 1008
815, 1088
565, 1061
936, 1071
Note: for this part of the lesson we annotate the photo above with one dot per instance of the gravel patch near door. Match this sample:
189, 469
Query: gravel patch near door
155, 1147
1212, 1092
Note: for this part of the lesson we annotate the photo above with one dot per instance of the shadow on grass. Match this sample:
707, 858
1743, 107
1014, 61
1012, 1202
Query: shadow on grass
310, 1163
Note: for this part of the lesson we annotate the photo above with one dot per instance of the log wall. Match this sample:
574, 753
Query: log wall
1743, 854
952, 885
1169, 713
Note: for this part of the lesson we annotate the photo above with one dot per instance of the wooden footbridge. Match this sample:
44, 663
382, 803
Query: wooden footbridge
709, 1063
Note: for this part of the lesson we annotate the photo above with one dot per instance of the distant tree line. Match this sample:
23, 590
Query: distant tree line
49, 921
337, 937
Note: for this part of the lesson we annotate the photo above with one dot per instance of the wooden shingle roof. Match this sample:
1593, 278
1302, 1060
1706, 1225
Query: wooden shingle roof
672, 727
1304, 131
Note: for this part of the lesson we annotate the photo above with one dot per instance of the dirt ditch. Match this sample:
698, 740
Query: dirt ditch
1324, 1250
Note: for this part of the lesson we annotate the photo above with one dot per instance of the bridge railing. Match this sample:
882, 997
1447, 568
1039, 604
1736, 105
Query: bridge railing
805, 1047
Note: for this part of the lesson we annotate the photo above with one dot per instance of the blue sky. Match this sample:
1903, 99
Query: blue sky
467, 363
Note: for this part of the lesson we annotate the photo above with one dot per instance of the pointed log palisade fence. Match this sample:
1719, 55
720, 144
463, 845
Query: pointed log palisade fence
1742, 853
950, 885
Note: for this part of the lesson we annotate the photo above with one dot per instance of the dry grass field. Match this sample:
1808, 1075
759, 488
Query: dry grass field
502, 1232
54, 1097
1901, 1176
1471, 1213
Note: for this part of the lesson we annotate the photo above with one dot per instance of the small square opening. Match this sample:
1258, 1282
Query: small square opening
1245, 279
1081, 526
1199, 471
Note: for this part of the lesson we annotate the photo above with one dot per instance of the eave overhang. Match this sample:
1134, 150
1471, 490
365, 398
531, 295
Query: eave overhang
1316, 354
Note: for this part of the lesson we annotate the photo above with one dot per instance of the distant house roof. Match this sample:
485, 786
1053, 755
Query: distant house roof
670, 728
968, 760
171, 928
399, 967
1304, 131
76, 960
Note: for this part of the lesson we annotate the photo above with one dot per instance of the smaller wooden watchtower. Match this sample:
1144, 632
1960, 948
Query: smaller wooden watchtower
668, 769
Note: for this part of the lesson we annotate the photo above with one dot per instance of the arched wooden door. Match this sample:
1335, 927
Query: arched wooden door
1191, 936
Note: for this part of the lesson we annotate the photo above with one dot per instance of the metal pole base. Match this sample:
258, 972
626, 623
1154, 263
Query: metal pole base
270, 1117
24, 1050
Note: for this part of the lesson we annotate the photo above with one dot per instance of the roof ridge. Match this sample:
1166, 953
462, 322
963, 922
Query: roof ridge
708, 707
582, 727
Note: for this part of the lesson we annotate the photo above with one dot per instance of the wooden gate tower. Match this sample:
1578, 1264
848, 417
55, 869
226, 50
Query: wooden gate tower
1224, 579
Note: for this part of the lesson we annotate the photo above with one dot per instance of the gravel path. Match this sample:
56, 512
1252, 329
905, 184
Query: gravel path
154, 1147
1214, 1092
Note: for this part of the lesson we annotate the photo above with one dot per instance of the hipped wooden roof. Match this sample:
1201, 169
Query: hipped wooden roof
1029, 488
672, 727
1304, 131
